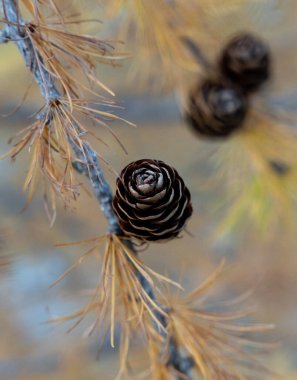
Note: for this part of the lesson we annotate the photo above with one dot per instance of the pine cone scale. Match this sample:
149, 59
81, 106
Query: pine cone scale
167, 201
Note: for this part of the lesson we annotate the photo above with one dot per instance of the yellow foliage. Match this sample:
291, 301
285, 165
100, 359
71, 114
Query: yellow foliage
258, 167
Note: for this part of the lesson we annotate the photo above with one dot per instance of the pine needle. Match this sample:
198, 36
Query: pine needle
220, 343
119, 297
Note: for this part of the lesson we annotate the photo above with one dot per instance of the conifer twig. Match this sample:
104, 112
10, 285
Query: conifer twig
87, 160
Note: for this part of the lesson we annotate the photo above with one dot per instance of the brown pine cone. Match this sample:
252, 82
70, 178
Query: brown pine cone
246, 61
216, 108
151, 201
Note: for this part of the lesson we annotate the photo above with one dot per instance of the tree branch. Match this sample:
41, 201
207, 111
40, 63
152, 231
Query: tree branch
88, 162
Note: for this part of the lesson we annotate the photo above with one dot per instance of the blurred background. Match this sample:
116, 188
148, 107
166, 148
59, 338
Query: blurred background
32, 349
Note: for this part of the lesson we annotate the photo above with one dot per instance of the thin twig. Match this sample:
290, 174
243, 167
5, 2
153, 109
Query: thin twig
88, 162
196, 52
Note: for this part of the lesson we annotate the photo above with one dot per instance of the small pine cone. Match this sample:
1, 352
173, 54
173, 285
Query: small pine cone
151, 201
216, 108
246, 61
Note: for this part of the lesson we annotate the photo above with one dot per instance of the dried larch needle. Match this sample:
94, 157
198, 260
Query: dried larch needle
221, 344
120, 297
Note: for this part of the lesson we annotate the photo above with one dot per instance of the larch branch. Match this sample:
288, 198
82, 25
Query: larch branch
88, 162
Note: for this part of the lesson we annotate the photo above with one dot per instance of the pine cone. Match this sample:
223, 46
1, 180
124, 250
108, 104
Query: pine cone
246, 61
151, 201
216, 108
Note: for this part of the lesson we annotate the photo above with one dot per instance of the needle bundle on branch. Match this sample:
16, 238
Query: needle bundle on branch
64, 66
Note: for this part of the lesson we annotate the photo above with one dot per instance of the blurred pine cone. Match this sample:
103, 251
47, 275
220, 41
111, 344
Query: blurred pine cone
216, 108
151, 201
246, 61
